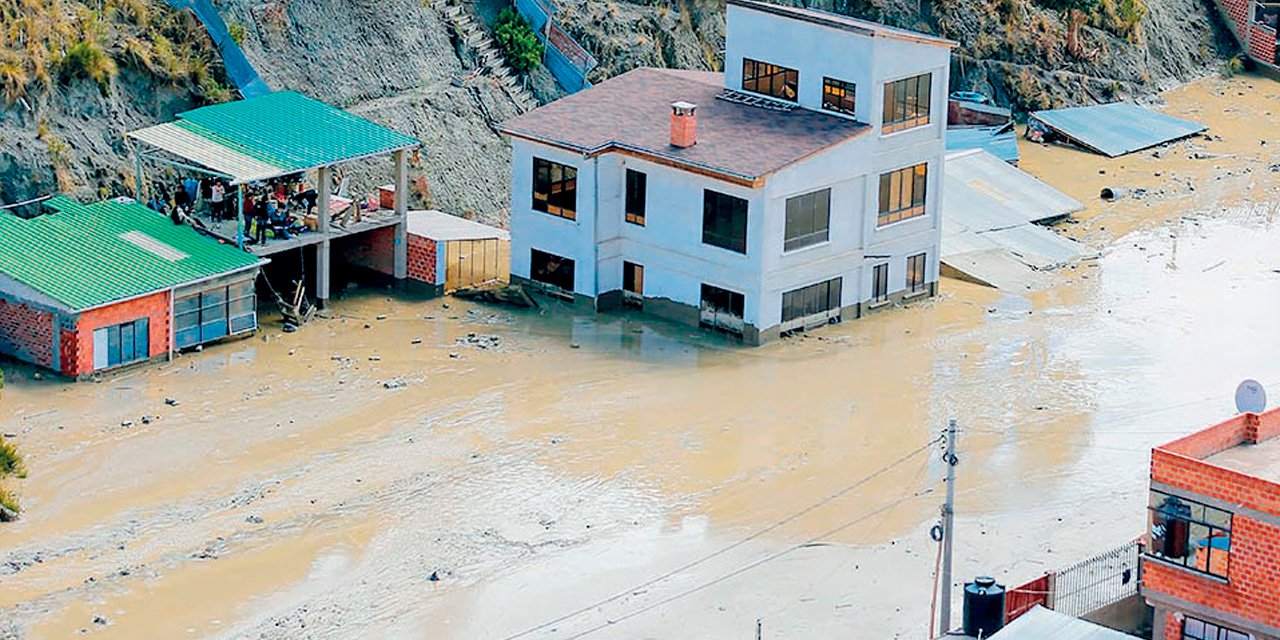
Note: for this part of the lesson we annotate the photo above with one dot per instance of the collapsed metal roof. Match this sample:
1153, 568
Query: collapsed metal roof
1115, 129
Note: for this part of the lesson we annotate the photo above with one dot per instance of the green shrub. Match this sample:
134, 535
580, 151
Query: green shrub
8, 501
10, 460
236, 29
519, 44
85, 59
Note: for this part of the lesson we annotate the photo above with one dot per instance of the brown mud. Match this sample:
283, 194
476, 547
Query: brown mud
291, 494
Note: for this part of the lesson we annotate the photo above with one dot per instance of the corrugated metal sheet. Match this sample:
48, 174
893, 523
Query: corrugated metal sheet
1043, 624
286, 131
438, 225
988, 230
1001, 141
85, 256
1117, 128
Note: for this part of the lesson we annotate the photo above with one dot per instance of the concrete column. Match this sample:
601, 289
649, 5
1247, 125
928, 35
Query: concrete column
401, 250
324, 187
240, 217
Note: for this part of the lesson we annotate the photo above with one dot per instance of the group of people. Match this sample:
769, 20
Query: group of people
277, 208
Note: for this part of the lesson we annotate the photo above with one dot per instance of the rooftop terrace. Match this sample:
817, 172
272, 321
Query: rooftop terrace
1260, 460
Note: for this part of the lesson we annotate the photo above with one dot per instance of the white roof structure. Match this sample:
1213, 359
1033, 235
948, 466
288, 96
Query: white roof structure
1043, 624
989, 211
442, 226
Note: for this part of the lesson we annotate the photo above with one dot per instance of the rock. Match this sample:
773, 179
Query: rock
380, 318
375, 358
445, 305
126, 423
393, 384
574, 345
290, 328
368, 326
171, 402
145, 419
37, 376
199, 348
99, 620
7, 514
454, 355
434, 577
292, 351
416, 341
254, 519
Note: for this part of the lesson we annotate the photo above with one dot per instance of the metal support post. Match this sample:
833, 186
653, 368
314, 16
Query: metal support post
240, 216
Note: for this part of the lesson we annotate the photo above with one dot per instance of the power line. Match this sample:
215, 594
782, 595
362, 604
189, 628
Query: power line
735, 545
746, 568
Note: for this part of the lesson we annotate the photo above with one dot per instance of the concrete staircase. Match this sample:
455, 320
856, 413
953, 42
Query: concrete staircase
494, 65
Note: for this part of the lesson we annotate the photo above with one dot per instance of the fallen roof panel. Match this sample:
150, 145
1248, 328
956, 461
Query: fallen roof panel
977, 184
1117, 128
1001, 141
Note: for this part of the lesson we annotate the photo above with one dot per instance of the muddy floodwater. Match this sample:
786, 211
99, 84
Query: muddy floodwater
559, 464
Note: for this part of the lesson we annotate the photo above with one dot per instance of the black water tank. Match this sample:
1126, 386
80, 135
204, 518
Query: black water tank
983, 607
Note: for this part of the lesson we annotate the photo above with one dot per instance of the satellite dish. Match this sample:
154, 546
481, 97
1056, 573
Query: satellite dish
1250, 397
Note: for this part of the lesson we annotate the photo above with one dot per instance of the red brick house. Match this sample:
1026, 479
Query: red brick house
1212, 567
90, 288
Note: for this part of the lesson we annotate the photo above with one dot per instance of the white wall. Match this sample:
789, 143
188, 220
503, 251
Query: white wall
574, 239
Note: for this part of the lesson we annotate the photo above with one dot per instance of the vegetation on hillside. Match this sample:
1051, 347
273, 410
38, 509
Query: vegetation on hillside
47, 42
10, 465
519, 43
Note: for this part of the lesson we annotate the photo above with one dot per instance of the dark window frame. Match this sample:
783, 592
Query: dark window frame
722, 309
542, 276
724, 221
807, 220
810, 300
880, 283
132, 338
907, 103
917, 272
555, 189
1174, 522
237, 306
903, 194
637, 186
1196, 629
632, 282
839, 96
770, 79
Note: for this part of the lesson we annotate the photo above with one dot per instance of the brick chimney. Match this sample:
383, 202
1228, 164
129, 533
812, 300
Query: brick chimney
684, 124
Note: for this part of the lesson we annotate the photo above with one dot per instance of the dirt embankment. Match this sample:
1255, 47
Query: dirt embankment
1015, 50
393, 62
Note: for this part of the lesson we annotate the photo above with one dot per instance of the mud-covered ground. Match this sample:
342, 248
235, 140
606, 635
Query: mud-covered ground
512, 480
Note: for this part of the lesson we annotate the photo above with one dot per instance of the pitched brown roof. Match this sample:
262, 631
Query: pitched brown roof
632, 113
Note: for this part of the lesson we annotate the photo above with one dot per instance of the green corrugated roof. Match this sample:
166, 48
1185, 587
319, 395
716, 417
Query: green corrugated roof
87, 255
291, 131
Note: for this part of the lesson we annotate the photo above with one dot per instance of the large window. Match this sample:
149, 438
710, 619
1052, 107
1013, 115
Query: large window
808, 219
722, 309
1196, 629
838, 96
551, 269
880, 283
555, 189
214, 313
770, 79
906, 103
915, 273
636, 187
1190, 534
812, 300
724, 221
902, 194
121, 344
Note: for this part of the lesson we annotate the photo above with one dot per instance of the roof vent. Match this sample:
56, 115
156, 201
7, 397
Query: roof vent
684, 124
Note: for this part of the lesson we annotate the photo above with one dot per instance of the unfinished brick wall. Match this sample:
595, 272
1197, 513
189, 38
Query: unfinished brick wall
155, 307
27, 333
1262, 44
373, 250
1253, 589
422, 259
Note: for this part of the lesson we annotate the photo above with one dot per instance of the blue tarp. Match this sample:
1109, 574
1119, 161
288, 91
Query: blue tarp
241, 72
1001, 141
1115, 129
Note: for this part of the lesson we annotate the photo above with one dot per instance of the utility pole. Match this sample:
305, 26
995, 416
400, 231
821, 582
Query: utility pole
948, 520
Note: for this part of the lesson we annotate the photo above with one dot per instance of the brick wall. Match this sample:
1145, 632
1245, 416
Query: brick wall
1253, 589
27, 333
155, 307
373, 250
1262, 44
422, 259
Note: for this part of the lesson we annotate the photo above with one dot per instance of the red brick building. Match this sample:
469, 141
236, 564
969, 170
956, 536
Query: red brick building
106, 285
1212, 568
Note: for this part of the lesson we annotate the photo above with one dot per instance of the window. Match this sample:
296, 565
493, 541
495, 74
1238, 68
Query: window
902, 194
724, 221
214, 313
635, 196
1190, 534
121, 344
722, 309
551, 269
838, 96
555, 189
915, 273
812, 300
632, 283
880, 283
770, 79
808, 217
906, 103
1196, 629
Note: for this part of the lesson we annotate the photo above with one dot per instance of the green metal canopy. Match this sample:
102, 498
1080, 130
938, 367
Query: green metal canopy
269, 136
86, 256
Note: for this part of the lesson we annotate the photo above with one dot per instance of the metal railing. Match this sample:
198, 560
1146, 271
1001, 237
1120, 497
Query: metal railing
1097, 582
